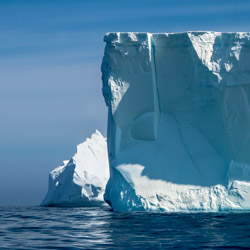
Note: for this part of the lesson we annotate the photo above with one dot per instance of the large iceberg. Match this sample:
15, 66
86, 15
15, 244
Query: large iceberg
178, 121
82, 180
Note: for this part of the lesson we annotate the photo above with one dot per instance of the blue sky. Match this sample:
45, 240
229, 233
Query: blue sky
50, 79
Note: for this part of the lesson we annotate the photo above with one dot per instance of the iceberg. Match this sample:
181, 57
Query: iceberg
178, 121
81, 181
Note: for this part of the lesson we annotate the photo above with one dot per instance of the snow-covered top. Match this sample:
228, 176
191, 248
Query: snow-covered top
90, 156
92, 147
140, 37
126, 38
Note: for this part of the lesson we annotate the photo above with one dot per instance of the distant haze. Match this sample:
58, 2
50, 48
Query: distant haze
50, 79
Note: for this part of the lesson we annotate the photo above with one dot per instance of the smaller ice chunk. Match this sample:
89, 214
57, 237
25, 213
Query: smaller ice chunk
81, 181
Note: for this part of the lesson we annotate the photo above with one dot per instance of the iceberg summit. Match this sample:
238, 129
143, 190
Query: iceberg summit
81, 181
178, 121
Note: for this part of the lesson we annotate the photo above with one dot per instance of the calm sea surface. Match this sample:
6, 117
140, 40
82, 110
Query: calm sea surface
98, 228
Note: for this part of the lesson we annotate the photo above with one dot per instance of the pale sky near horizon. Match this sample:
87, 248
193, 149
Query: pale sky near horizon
50, 79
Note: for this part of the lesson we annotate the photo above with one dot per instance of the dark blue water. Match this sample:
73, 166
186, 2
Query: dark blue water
96, 228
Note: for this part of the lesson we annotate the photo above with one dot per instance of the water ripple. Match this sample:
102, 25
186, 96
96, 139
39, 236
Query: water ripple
91, 228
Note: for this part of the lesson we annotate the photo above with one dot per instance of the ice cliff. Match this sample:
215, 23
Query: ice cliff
178, 121
82, 180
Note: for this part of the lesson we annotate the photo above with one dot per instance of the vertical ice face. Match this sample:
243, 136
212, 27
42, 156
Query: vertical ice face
179, 120
129, 78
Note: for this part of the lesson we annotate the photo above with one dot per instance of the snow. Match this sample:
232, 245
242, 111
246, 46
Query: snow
82, 180
178, 121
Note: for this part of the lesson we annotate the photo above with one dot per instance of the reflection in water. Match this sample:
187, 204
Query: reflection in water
88, 228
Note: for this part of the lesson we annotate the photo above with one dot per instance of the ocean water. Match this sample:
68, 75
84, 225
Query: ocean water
100, 228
